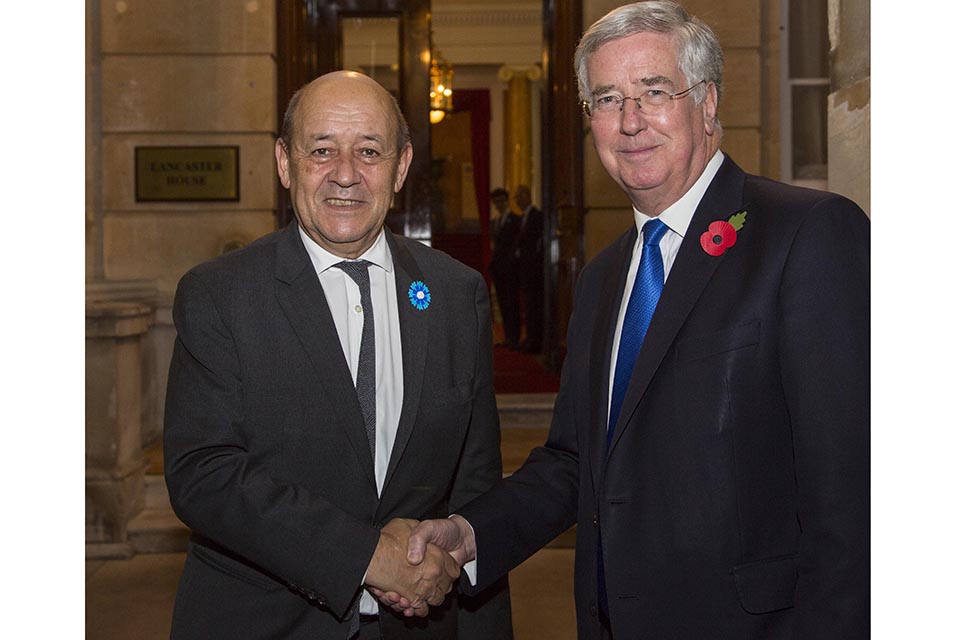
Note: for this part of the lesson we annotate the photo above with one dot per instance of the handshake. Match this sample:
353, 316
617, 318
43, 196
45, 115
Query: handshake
415, 563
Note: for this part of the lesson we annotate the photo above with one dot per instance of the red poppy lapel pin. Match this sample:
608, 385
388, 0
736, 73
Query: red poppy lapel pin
722, 234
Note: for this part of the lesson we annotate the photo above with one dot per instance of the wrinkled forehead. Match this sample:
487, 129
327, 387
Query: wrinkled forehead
646, 58
347, 107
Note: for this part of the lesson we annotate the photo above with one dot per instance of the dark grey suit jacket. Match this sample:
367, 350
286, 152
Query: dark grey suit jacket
734, 499
267, 460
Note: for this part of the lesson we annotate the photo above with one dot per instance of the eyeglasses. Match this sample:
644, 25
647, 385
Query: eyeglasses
652, 101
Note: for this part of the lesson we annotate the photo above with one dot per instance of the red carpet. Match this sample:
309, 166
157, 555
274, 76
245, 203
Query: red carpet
515, 372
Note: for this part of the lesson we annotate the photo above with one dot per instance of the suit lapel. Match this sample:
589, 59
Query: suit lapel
691, 271
413, 340
602, 346
301, 297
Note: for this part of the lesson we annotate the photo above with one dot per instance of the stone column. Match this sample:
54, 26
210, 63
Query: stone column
848, 105
518, 126
115, 464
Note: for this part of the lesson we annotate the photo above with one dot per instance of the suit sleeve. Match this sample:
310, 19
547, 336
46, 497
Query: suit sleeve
525, 511
222, 491
825, 349
486, 615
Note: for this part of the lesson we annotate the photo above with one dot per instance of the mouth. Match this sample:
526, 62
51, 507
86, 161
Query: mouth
638, 151
343, 202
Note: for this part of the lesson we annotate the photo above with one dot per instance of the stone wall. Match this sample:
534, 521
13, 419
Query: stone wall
168, 73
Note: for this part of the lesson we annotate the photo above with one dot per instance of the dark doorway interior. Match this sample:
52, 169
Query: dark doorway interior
460, 154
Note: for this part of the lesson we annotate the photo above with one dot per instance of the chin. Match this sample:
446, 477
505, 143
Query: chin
643, 183
643, 178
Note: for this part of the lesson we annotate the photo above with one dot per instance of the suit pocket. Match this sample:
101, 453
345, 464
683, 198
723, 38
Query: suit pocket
767, 585
234, 568
738, 337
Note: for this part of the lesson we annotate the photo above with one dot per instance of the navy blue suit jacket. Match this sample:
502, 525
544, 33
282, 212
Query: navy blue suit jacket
734, 498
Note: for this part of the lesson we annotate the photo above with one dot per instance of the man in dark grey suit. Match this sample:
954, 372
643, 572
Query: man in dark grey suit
329, 382
711, 433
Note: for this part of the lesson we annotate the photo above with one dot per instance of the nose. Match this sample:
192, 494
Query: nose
633, 119
344, 172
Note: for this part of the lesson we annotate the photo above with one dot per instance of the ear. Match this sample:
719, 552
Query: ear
283, 163
406, 157
709, 107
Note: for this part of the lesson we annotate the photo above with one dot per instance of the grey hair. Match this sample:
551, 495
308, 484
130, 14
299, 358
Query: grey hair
289, 116
698, 49
286, 129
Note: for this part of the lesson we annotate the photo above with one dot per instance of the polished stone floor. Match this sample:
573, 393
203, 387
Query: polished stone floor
132, 599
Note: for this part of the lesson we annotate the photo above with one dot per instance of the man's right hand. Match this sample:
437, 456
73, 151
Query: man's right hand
424, 583
454, 535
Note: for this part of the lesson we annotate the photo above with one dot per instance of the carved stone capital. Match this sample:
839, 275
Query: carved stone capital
506, 73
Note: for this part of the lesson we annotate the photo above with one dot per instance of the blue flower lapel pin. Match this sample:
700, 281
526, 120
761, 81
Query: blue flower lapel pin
419, 295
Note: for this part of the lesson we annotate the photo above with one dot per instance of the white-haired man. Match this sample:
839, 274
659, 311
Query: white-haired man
711, 433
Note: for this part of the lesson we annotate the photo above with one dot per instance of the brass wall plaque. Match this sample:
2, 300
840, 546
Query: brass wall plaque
183, 174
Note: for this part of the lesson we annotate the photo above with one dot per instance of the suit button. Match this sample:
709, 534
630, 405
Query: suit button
593, 611
596, 520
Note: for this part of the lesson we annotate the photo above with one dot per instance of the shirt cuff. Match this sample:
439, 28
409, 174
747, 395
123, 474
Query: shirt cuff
470, 568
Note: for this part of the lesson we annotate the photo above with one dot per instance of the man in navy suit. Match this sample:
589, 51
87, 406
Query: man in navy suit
529, 258
504, 268
725, 495
330, 382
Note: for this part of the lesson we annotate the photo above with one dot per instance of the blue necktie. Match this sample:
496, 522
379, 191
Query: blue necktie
643, 301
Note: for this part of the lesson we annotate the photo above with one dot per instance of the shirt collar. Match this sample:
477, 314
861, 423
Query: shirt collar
678, 215
378, 253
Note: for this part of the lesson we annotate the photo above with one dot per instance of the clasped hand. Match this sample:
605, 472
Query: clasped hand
438, 548
414, 585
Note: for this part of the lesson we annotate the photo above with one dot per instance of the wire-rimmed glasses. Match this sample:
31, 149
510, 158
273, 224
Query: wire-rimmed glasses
651, 101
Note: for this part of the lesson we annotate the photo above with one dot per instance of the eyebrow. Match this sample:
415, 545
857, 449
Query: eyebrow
655, 80
650, 82
372, 137
606, 88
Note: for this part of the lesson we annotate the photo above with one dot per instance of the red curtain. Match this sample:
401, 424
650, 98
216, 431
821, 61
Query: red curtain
477, 102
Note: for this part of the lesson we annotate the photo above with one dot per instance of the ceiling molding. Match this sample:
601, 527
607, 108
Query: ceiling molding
480, 16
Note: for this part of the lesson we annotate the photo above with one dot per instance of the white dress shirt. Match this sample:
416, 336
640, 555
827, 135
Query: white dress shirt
343, 298
677, 217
